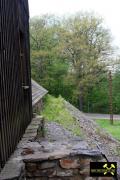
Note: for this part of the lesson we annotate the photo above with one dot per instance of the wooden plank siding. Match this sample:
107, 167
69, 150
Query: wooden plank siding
15, 76
38, 92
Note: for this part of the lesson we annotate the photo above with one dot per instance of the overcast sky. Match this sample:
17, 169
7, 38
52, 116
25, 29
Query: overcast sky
108, 9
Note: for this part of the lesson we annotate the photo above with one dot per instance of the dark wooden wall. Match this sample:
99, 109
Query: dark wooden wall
15, 78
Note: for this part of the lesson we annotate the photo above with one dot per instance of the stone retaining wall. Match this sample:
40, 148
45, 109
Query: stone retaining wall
34, 161
15, 168
75, 167
62, 166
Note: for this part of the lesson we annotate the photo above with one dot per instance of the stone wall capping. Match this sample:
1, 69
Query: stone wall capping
30, 135
12, 170
34, 123
30, 131
33, 126
59, 154
40, 160
37, 118
85, 152
39, 156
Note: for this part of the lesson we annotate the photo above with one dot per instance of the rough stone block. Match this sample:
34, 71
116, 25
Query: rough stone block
45, 173
27, 151
31, 167
69, 163
75, 172
56, 178
85, 171
64, 173
105, 178
33, 126
67, 178
41, 178
46, 165
59, 154
32, 131
30, 135
29, 174
90, 178
85, 162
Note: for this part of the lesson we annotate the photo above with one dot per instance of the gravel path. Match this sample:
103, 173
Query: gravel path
55, 132
58, 138
101, 116
97, 137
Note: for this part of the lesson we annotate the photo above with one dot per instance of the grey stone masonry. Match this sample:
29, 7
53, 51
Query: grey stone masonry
14, 168
62, 166
46, 158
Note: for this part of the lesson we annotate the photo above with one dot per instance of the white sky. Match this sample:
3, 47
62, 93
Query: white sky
108, 9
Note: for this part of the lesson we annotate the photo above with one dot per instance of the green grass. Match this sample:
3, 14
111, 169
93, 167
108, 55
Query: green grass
54, 110
114, 129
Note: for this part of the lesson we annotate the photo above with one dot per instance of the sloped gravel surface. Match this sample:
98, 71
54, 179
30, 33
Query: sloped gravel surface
97, 137
56, 138
55, 132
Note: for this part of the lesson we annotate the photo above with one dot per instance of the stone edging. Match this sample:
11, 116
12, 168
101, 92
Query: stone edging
14, 168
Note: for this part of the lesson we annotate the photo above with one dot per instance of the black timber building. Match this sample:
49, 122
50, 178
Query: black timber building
15, 76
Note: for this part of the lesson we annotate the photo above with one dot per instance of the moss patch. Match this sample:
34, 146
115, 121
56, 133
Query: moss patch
54, 110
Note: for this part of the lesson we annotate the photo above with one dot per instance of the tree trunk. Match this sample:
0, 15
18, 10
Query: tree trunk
81, 99
110, 98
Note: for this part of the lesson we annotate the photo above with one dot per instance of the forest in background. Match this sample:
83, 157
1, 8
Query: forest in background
71, 56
